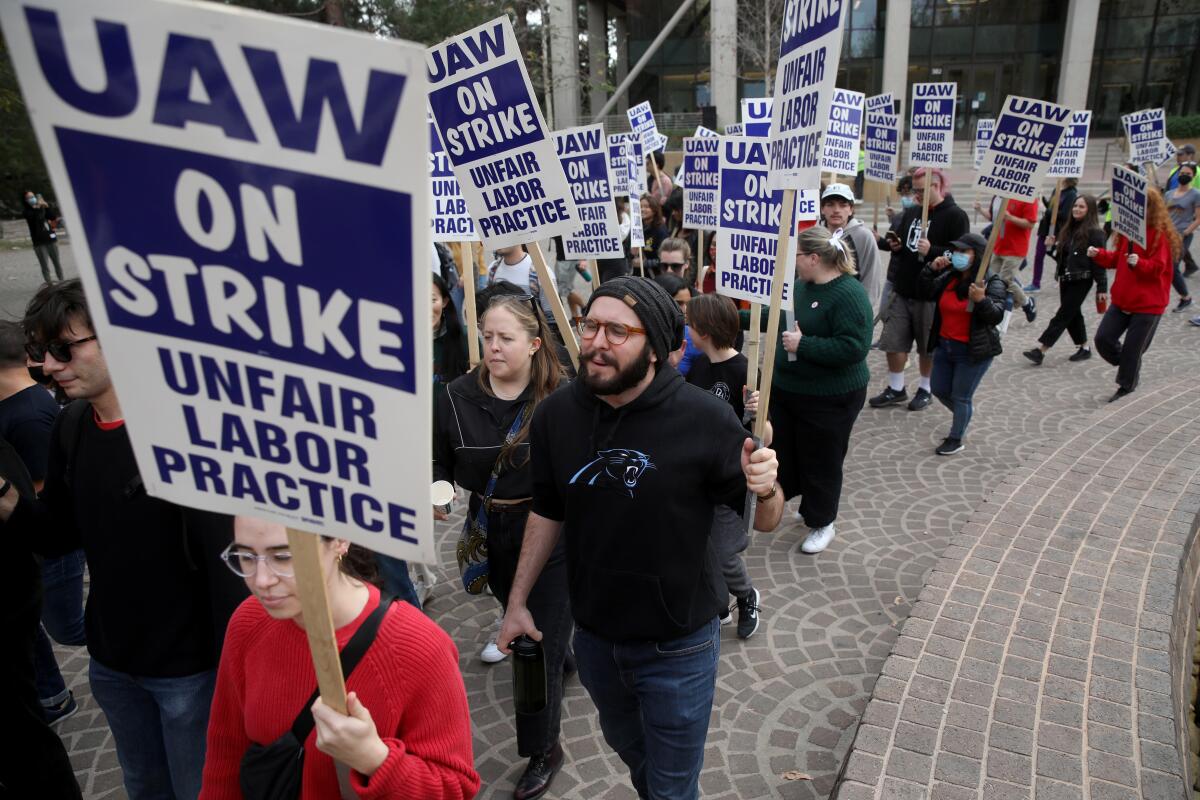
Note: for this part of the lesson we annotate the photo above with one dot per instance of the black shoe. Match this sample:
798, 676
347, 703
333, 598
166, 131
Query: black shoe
949, 446
888, 397
1190, 271
1035, 355
1181, 305
1082, 354
537, 776
1122, 392
921, 399
747, 614
62, 711
1030, 309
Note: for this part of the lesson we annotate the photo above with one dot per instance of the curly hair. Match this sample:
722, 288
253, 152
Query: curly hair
1158, 223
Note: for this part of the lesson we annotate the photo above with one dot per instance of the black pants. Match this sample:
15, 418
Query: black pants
1069, 316
1138, 330
812, 434
551, 609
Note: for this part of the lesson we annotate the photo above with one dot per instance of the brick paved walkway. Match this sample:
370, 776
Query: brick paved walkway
789, 699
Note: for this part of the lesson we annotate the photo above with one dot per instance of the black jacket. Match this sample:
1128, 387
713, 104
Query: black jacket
635, 488
1074, 265
947, 222
38, 218
987, 314
1066, 199
468, 434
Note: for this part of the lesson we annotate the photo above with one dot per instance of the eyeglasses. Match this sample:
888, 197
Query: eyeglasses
244, 563
614, 332
59, 349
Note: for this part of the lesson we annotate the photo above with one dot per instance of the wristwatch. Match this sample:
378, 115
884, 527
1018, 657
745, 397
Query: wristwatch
762, 498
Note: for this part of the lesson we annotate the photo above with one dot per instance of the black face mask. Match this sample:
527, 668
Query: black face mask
1185, 179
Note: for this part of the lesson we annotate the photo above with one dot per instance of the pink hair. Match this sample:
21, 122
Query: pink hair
943, 178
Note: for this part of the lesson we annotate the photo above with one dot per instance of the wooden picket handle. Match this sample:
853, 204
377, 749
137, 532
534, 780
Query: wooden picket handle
466, 273
556, 307
595, 274
657, 174
1054, 207
981, 272
753, 337
701, 267
318, 618
925, 203
782, 273
641, 266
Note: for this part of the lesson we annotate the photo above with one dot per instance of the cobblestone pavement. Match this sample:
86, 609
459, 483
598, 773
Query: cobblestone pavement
787, 700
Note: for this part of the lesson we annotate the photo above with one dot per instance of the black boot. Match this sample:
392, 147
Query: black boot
537, 776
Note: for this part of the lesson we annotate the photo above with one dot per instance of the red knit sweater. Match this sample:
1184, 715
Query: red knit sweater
409, 680
1146, 288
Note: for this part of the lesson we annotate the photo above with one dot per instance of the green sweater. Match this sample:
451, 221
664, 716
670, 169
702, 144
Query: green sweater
836, 320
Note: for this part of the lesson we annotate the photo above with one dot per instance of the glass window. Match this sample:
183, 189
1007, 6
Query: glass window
918, 43
996, 39
954, 13
1177, 29
922, 13
953, 41
862, 44
863, 14
1131, 32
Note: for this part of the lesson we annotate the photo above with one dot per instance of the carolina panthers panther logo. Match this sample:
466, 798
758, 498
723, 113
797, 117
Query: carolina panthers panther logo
914, 234
617, 467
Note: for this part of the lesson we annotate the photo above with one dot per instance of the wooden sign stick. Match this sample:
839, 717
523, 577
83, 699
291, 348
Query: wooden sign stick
466, 271
782, 276
753, 337
595, 274
657, 174
318, 619
997, 223
925, 203
700, 265
1054, 207
641, 266
556, 308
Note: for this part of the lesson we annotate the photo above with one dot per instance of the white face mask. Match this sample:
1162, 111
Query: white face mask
31, 200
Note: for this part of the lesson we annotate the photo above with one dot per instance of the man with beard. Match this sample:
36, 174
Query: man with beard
618, 469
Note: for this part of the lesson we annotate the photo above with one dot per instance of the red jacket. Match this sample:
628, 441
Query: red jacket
409, 680
1146, 288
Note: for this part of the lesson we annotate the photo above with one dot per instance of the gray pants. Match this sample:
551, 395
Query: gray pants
729, 539
45, 254
1010, 271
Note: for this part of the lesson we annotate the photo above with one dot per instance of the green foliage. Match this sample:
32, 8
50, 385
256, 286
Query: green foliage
21, 165
1184, 127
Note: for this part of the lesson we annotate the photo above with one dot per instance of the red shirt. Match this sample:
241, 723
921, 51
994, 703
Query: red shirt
1146, 288
409, 681
1014, 240
956, 320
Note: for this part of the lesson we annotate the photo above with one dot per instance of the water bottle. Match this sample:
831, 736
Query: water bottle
529, 675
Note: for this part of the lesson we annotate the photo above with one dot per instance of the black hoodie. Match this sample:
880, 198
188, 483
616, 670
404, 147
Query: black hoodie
635, 487
947, 222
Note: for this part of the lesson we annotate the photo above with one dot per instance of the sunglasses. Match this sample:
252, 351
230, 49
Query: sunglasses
59, 349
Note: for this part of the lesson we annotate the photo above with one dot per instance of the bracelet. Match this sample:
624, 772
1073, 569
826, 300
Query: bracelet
4, 489
762, 498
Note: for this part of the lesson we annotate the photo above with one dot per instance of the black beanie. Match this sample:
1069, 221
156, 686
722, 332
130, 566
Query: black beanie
658, 311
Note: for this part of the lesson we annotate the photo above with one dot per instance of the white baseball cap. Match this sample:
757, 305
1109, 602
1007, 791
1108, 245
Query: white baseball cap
838, 190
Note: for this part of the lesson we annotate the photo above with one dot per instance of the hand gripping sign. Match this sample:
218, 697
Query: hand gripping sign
585, 160
700, 157
1022, 147
494, 134
839, 149
1129, 204
450, 219
809, 49
931, 125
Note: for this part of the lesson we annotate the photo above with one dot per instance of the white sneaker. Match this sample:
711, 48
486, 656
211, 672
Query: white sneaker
818, 539
492, 654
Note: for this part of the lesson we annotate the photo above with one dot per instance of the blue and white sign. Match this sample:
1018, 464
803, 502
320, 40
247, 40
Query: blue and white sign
619, 163
839, 149
494, 134
1072, 150
735, 129
809, 49
882, 103
931, 125
1022, 147
748, 223
700, 163
641, 120
882, 146
709, 133
585, 160
1129, 204
756, 116
1146, 132
450, 219
984, 128
264, 366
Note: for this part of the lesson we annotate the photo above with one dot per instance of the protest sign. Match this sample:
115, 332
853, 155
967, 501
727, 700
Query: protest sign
839, 148
1168, 152
735, 129
748, 222
931, 125
584, 158
809, 49
1072, 149
1129, 204
881, 103
619, 164
983, 137
641, 120
700, 157
756, 116
1146, 133
637, 235
264, 367
450, 219
704, 132
883, 147
494, 134
1022, 146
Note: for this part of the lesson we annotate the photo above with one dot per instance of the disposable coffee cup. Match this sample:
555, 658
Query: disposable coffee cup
443, 495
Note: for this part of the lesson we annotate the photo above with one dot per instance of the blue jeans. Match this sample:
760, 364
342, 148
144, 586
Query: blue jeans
159, 727
396, 579
954, 381
62, 619
1177, 279
654, 700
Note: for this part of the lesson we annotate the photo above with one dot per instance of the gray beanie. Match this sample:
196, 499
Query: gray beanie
658, 311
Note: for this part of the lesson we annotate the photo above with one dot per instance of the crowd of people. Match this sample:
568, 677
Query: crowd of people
609, 532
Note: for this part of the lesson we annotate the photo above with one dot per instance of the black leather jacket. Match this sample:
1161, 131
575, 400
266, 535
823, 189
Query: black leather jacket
987, 314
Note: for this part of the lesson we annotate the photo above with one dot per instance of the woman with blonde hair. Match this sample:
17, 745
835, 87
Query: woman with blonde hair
820, 380
481, 443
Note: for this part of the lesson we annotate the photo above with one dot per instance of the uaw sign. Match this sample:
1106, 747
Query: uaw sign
1072, 149
931, 125
450, 219
1129, 204
1146, 132
264, 366
748, 224
1019, 154
584, 158
700, 157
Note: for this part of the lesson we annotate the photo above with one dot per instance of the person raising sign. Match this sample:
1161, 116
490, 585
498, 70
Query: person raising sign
408, 733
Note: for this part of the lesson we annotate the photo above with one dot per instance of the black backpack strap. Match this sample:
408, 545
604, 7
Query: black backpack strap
351, 654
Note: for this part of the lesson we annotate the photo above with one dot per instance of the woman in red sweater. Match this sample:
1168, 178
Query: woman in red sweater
408, 733
1141, 291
